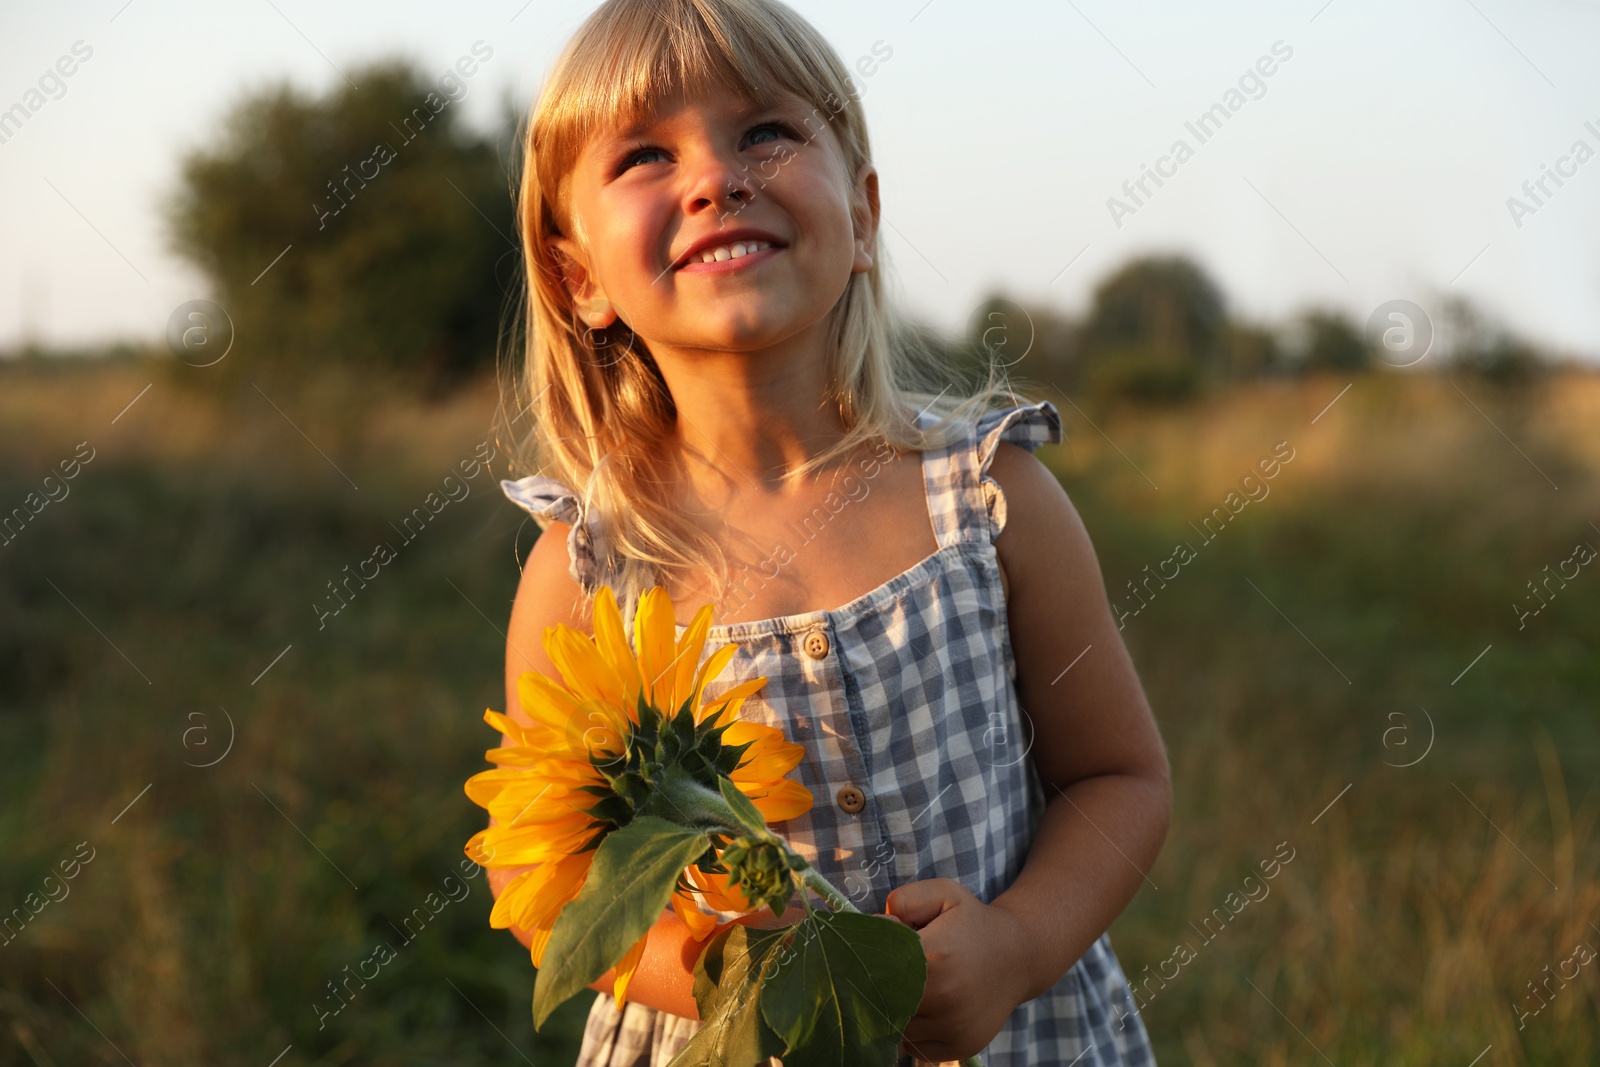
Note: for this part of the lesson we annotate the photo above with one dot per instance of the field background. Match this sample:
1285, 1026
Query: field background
1290, 660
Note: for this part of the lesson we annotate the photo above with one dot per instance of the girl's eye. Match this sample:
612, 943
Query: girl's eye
641, 152
633, 156
780, 128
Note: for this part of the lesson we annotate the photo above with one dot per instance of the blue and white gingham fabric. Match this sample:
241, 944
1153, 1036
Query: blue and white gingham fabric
914, 703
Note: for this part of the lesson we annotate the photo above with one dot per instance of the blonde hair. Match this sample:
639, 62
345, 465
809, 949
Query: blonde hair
600, 407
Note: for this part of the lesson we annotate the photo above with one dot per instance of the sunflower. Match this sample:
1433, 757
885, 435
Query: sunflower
621, 720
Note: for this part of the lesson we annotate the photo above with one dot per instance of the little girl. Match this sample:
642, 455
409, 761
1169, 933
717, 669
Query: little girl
723, 404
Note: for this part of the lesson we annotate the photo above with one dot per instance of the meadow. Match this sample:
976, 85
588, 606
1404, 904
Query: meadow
1376, 677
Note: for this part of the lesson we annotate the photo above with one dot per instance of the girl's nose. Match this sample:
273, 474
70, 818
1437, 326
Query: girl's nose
717, 183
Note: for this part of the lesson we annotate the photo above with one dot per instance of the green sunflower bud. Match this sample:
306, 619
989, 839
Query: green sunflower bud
761, 870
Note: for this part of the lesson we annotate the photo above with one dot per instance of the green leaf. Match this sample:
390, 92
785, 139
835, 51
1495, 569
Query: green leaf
844, 989
635, 870
743, 810
727, 987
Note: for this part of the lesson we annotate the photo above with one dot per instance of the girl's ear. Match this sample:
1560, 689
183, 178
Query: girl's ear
587, 297
864, 216
574, 268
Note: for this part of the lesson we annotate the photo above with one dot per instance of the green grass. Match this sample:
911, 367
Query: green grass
1409, 922
208, 924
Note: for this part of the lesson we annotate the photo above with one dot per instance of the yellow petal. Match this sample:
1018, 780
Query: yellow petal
479, 850
718, 893
509, 903
599, 727
535, 898
686, 664
500, 847
581, 665
625, 968
564, 883
784, 800
655, 640
578, 771
559, 816
612, 643
514, 755
743, 730
513, 729
699, 923
767, 750
557, 780
768, 762
708, 671
528, 783
545, 701
530, 788
537, 943
484, 787
727, 703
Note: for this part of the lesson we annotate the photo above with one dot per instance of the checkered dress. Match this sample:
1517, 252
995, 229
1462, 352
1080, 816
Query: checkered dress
905, 701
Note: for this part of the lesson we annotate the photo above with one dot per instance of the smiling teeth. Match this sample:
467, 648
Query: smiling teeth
737, 250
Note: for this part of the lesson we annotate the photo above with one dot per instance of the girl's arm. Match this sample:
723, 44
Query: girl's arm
1103, 767
1105, 776
1096, 745
548, 596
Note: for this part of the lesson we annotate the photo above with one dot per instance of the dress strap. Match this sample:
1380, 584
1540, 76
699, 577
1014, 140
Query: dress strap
548, 500
965, 503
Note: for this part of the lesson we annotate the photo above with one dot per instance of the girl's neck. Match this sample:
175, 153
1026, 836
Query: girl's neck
745, 419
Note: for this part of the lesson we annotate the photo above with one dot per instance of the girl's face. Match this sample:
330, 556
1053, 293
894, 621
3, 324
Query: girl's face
647, 204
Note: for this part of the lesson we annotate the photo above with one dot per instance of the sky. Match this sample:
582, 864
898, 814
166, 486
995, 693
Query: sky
1384, 157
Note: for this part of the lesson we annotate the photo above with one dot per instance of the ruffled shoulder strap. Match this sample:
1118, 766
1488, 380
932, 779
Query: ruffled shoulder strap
548, 500
1028, 425
967, 504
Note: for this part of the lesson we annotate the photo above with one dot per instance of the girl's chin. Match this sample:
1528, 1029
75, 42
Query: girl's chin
736, 334
747, 342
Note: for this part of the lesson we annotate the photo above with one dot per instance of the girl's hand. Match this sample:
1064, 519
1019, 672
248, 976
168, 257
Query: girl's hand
976, 974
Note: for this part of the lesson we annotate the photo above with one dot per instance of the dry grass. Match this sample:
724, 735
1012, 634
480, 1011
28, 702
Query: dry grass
1421, 904
1406, 929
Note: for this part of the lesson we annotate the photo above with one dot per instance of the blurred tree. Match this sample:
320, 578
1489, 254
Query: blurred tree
368, 229
1253, 351
1328, 340
1156, 328
1034, 345
1476, 345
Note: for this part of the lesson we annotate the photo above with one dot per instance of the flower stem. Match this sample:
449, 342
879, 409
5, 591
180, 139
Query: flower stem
836, 900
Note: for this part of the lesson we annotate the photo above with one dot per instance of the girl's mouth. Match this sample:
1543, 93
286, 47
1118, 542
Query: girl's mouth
734, 256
